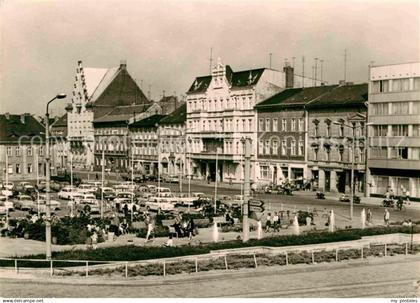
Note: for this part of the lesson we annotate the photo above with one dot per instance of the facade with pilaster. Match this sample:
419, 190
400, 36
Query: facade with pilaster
331, 118
220, 114
172, 143
282, 134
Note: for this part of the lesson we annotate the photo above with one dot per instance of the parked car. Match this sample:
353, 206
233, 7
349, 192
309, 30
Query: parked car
108, 193
43, 207
67, 193
123, 197
93, 205
346, 198
184, 200
159, 205
172, 179
86, 188
3, 209
6, 192
23, 202
66, 177
84, 197
8, 185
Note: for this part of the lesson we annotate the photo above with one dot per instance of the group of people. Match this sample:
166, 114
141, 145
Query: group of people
273, 222
184, 228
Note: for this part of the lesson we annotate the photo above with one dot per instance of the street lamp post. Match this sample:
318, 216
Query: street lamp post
47, 179
353, 128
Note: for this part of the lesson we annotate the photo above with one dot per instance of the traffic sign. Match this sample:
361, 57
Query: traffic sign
256, 208
258, 203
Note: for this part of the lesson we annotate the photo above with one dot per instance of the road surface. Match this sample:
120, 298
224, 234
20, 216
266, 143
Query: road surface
378, 277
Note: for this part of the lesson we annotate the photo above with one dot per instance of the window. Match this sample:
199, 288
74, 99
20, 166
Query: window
41, 150
399, 108
29, 150
29, 168
301, 148
415, 108
316, 127
300, 126
265, 172
396, 85
267, 147
267, 125
341, 130
416, 83
17, 169
340, 149
399, 130
293, 147
250, 124
261, 125
415, 153
243, 125
380, 130
380, 109
275, 147
283, 147
399, 153
284, 125
275, 125
9, 151
416, 130
17, 151
293, 126
405, 84
260, 147
384, 86
328, 128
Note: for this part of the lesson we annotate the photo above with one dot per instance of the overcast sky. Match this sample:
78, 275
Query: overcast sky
167, 43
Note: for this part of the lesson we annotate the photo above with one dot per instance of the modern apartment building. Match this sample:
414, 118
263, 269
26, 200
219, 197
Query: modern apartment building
394, 131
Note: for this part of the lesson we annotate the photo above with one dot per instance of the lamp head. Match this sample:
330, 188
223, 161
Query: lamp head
61, 96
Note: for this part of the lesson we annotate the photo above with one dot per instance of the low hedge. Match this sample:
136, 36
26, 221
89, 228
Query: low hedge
133, 253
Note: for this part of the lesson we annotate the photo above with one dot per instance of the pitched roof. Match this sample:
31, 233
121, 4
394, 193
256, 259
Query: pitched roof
235, 79
342, 96
148, 122
98, 79
122, 113
60, 122
178, 116
13, 130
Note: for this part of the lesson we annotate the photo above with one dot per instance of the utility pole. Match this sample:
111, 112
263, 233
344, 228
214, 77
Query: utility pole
316, 69
102, 181
345, 64
247, 189
303, 71
322, 61
215, 183
211, 58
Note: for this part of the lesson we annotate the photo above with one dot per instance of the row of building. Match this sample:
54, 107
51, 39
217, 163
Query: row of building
301, 132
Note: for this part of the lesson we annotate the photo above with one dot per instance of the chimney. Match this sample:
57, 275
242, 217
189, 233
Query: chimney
289, 75
123, 64
7, 115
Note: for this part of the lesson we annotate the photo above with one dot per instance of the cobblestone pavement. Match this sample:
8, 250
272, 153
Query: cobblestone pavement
378, 277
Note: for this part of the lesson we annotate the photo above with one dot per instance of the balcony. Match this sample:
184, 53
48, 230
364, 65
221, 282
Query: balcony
403, 164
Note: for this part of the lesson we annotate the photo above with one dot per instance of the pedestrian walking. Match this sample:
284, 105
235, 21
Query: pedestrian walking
369, 216
268, 223
150, 228
386, 217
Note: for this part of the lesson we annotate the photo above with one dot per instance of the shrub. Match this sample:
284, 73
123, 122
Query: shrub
159, 231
